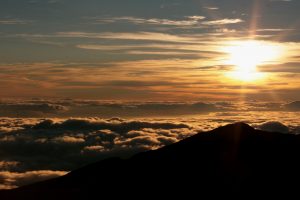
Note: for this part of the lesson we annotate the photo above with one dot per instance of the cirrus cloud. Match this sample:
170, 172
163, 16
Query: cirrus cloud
222, 22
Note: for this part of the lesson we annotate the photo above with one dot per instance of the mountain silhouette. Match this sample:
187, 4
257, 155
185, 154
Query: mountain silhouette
234, 160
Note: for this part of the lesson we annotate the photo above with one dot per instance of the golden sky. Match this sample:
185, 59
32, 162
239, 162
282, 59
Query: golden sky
156, 51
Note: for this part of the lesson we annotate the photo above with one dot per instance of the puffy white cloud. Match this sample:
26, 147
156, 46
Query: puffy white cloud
68, 139
167, 140
9, 180
65, 144
97, 148
98, 124
138, 140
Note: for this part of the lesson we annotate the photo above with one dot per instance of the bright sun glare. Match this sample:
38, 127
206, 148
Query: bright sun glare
247, 55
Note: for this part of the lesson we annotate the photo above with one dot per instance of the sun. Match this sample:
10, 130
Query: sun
245, 56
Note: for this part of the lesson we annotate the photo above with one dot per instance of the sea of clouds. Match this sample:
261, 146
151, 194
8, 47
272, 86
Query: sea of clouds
33, 148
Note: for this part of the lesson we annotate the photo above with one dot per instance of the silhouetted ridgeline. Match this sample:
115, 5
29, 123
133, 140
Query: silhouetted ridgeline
234, 160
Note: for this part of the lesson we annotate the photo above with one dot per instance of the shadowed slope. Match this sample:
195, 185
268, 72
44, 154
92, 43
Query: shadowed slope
231, 160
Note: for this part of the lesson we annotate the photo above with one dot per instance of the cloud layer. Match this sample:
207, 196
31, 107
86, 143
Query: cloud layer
36, 149
107, 109
33, 149
64, 142
10, 180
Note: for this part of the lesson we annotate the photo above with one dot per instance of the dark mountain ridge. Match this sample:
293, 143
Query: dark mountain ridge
234, 160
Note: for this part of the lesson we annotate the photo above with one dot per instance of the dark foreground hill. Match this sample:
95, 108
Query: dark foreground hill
235, 160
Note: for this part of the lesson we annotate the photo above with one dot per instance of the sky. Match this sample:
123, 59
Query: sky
158, 50
81, 81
